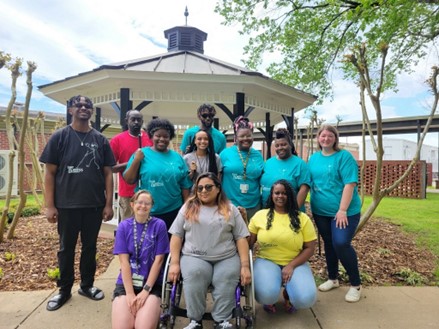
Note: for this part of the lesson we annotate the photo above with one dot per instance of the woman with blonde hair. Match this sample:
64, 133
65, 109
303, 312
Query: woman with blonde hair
336, 206
209, 246
141, 244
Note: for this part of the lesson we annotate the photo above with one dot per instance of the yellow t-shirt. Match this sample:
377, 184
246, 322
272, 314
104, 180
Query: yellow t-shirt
280, 244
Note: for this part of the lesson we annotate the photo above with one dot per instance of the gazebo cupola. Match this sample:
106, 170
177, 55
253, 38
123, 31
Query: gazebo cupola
186, 38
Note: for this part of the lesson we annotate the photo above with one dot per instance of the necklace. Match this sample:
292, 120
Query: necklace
244, 162
138, 244
81, 140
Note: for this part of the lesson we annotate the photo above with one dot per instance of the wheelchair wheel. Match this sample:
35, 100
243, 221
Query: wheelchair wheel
171, 297
167, 320
247, 313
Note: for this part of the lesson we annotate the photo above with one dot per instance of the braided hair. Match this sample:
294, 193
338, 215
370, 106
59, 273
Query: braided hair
291, 206
76, 99
242, 122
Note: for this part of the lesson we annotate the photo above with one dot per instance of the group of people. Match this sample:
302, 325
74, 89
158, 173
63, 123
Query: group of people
195, 207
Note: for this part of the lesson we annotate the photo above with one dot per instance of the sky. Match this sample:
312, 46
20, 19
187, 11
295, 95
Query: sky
69, 37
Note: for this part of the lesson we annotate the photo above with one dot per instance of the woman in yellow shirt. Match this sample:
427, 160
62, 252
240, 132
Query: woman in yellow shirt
287, 240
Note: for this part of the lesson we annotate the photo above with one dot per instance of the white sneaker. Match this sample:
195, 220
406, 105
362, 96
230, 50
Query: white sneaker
329, 285
194, 325
353, 295
222, 325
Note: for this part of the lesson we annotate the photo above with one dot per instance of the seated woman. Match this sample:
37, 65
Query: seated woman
209, 245
141, 243
287, 240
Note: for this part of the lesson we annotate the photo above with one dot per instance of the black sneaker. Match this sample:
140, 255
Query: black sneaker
195, 325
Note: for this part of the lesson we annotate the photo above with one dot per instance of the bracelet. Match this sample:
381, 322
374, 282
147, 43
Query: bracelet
342, 211
147, 288
245, 263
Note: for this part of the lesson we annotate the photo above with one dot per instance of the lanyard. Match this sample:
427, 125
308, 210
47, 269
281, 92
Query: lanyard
244, 162
142, 238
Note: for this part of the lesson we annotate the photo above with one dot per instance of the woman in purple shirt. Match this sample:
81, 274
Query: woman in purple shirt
141, 244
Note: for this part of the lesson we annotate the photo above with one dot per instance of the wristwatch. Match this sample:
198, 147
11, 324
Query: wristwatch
147, 288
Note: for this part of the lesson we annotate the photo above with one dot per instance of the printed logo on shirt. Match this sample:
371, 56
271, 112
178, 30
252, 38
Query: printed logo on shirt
73, 170
89, 159
154, 183
237, 176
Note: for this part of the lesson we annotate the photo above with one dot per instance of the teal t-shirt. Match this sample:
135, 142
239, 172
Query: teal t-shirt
164, 175
233, 179
219, 140
329, 175
293, 169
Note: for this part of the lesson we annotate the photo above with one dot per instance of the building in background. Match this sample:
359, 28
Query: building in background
401, 149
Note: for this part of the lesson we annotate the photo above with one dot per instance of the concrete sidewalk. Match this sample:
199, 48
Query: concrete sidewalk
380, 307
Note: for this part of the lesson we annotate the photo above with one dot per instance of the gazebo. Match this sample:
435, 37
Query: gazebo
174, 84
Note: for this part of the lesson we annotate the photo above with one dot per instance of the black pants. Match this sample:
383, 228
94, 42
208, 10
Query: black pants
85, 222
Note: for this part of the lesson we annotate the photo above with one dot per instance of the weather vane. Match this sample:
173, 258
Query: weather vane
186, 14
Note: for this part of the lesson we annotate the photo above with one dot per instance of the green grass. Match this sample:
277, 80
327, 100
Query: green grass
31, 207
420, 217
30, 202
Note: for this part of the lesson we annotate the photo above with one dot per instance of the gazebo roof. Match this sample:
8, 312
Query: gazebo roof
176, 83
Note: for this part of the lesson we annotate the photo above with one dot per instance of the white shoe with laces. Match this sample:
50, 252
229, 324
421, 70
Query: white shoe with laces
329, 285
194, 325
353, 295
222, 325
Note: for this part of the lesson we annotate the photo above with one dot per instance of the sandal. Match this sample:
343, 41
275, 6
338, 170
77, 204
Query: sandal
93, 293
271, 309
57, 301
289, 307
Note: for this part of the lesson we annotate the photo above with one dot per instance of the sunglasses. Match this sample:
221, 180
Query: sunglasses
80, 106
207, 187
207, 115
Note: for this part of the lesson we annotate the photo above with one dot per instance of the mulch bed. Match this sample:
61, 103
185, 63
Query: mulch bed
383, 250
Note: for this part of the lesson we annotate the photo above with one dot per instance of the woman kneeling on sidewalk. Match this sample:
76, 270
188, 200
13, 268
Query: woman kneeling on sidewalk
287, 240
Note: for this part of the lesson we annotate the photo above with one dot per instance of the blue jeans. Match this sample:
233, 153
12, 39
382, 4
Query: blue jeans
338, 246
301, 288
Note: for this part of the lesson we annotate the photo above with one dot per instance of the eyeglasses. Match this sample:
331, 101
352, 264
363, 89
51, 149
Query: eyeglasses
207, 187
207, 115
142, 203
80, 106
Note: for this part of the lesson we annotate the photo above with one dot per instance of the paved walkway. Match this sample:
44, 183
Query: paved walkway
380, 307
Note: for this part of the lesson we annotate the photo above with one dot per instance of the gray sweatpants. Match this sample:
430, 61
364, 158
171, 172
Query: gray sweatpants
198, 274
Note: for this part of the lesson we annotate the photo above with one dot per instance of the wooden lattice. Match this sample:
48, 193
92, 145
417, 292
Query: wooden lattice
413, 186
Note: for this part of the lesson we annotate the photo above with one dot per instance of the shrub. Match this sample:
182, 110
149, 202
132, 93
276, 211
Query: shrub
26, 212
9, 256
410, 277
53, 273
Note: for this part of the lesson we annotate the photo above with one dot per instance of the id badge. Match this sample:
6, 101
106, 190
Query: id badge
138, 280
243, 188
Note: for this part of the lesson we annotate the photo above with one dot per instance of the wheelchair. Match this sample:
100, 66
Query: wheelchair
172, 294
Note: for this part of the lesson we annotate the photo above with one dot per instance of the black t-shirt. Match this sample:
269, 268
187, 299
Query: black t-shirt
81, 158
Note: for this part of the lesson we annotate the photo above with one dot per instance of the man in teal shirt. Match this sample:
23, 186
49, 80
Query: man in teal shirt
206, 114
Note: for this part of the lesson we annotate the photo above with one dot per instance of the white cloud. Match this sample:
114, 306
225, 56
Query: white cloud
65, 38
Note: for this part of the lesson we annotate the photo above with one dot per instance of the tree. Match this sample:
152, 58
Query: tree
312, 36
370, 41
14, 67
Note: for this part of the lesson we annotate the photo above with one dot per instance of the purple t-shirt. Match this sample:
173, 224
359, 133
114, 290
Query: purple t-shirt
156, 242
